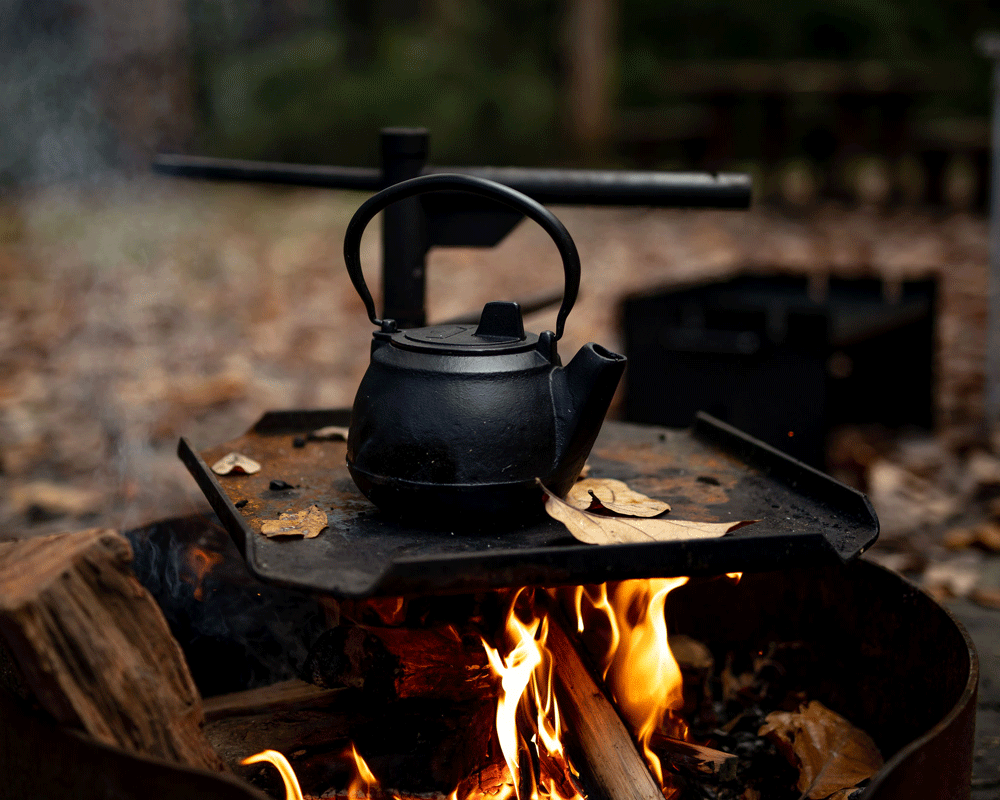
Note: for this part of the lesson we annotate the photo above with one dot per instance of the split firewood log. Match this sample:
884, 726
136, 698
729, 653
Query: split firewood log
608, 753
86, 642
414, 744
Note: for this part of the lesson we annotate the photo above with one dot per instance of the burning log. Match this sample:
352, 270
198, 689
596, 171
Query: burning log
397, 663
615, 766
434, 743
88, 643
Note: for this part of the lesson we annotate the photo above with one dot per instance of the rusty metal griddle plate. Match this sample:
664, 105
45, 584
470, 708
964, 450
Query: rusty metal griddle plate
711, 472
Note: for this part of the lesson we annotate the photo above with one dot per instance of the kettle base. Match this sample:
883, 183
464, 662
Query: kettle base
465, 507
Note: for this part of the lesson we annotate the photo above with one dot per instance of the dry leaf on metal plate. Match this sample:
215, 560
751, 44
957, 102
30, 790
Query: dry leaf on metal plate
330, 432
598, 529
307, 524
235, 462
597, 494
829, 752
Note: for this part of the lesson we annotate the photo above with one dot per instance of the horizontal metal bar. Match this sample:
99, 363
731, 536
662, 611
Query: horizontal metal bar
619, 187
555, 186
230, 169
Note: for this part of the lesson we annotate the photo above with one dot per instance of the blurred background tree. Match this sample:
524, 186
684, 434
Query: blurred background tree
820, 86
311, 80
314, 82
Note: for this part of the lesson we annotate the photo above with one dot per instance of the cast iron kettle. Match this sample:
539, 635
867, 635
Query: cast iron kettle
452, 424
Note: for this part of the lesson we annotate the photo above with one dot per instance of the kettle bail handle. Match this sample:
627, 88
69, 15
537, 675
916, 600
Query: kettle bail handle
440, 182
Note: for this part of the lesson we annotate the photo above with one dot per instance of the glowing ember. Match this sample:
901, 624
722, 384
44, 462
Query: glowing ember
734, 576
200, 563
292, 790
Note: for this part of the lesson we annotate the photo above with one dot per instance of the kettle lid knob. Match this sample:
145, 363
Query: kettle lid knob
501, 321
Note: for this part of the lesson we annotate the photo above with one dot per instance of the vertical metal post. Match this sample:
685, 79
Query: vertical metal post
404, 229
989, 45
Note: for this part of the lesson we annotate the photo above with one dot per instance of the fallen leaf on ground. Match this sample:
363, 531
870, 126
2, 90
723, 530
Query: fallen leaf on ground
986, 597
829, 752
596, 494
46, 500
336, 433
956, 577
235, 462
307, 524
599, 529
985, 535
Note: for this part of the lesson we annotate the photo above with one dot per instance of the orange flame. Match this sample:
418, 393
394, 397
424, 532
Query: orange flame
364, 781
734, 576
640, 671
526, 682
200, 562
628, 621
292, 789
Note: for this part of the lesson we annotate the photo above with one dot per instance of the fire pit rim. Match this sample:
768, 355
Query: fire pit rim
964, 706
121, 769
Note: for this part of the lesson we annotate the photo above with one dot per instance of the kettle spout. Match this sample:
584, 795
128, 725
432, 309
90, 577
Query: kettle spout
581, 392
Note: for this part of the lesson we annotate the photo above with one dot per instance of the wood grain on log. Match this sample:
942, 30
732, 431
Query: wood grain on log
398, 663
278, 697
691, 757
417, 743
93, 647
608, 752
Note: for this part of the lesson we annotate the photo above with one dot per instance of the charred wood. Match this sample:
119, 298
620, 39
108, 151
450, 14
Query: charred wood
691, 757
416, 744
398, 663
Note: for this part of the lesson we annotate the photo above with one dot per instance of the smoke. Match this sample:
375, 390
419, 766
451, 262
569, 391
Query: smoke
91, 89
242, 633
54, 127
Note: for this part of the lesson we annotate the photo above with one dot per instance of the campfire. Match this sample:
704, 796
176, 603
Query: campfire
543, 689
585, 698
558, 693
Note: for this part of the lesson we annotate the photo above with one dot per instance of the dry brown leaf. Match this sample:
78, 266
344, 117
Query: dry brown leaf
956, 577
307, 524
959, 538
986, 597
47, 499
235, 462
985, 535
331, 432
829, 752
598, 529
988, 536
594, 494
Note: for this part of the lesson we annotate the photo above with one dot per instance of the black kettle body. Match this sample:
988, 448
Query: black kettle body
453, 424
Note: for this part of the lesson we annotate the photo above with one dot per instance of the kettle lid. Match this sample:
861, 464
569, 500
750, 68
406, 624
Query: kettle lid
500, 330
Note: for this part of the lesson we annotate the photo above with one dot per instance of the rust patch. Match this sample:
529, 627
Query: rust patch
317, 473
664, 465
